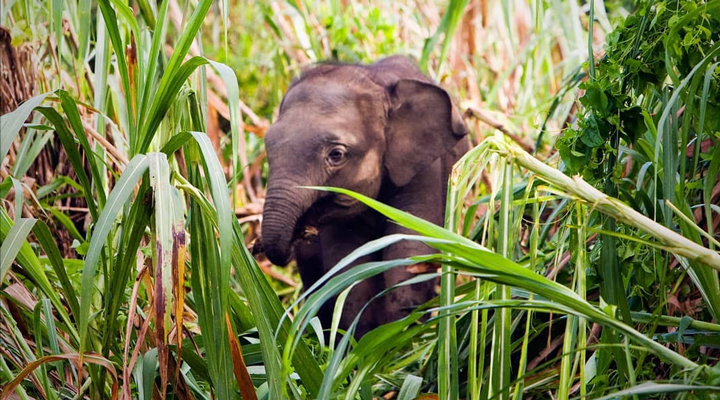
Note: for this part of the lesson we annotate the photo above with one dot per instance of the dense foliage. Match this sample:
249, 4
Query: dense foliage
133, 174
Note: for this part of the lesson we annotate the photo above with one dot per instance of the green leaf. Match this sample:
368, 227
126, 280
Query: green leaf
111, 23
595, 98
173, 78
45, 238
262, 300
35, 271
70, 108
84, 9
591, 135
148, 81
11, 122
447, 27
119, 196
653, 388
410, 387
501, 270
73, 155
166, 94
239, 149
13, 242
633, 124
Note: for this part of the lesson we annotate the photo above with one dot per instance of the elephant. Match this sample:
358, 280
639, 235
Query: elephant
383, 130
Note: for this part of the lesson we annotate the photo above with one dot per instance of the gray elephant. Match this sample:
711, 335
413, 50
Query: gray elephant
383, 130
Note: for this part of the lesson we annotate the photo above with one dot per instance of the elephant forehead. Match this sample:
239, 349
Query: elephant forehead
308, 119
304, 137
329, 96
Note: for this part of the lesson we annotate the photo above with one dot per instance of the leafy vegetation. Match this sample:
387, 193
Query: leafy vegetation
579, 253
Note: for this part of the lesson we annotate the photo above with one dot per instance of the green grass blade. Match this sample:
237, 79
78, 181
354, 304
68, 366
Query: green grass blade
500, 365
12, 242
263, 301
70, 108
34, 270
216, 297
111, 23
135, 222
45, 238
239, 151
165, 237
56, 8
11, 122
127, 15
510, 273
119, 196
711, 178
148, 81
703, 111
84, 25
25, 160
66, 138
52, 333
334, 286
147, 12
173, 77
447, 27
410, 388
167, 92
653, 388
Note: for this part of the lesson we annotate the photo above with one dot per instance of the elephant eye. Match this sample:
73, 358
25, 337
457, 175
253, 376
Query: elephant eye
336, 155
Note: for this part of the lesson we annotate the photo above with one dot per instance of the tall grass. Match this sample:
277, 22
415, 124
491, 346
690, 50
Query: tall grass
133, 180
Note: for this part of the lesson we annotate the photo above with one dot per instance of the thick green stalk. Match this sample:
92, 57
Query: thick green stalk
501, 346
583, 191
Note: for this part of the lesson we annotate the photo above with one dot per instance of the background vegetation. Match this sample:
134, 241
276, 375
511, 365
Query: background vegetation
579, 250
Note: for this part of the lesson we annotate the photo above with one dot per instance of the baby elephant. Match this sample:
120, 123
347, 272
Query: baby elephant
383, 130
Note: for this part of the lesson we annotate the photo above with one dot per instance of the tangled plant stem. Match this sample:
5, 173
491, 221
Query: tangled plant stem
583, 191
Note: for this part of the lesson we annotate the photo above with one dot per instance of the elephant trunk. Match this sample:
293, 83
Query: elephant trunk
285, 203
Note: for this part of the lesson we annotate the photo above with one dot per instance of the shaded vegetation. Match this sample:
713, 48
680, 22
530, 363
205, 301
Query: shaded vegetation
579, 253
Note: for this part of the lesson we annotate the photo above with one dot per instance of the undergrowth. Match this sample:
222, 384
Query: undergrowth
579, 253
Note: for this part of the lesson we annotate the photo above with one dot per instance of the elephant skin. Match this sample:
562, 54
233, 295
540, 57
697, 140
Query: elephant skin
383, 130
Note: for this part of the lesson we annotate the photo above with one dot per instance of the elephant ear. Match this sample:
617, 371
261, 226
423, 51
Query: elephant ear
423, 125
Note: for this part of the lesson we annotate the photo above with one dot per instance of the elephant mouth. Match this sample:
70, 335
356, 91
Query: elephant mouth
344, 201
304, 233
330, 209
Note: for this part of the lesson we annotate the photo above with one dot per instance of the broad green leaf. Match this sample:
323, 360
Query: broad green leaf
46, 240
591, 135
12, 243
84, 9
170, 85
70, 108
239, 149
111, 23
653, 388
173, 77
11, 123
507, 272
119, 196
165, 225
73, 154
35, 271
148, 81
410, 387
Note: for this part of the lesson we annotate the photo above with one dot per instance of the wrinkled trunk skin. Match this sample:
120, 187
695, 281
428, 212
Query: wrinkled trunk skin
285, 203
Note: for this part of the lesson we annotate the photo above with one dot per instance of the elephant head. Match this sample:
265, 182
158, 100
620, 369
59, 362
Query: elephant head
353, 126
